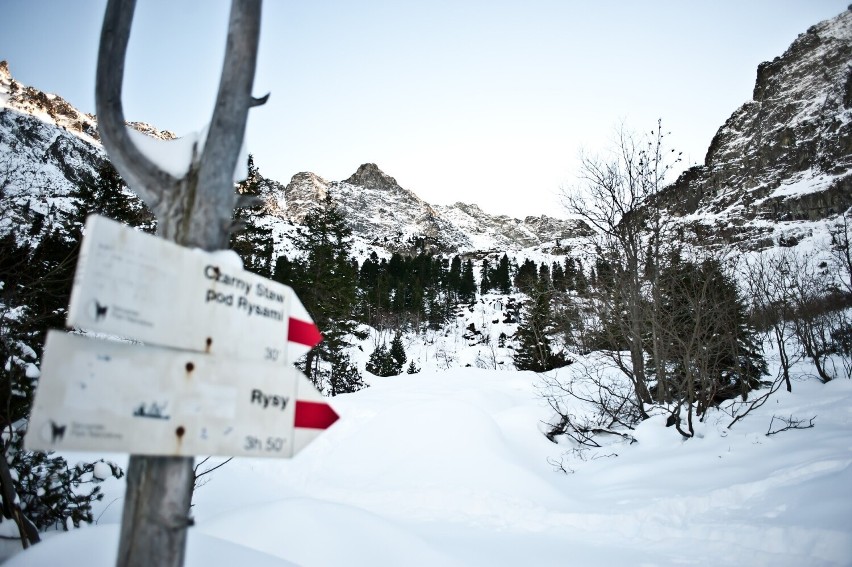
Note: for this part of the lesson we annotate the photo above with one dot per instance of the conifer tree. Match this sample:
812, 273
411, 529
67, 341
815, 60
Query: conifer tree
326, 281
711, 352
344, 377
485, 277
558, 277
581, 282
283, 272
397, 352
534, 350
467, 285
107, 195
570, 272
454, 277
381, 362
252, 241
544, 273
502, 279
527, 276
40, 491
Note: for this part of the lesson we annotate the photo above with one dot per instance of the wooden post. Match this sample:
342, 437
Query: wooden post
196, 210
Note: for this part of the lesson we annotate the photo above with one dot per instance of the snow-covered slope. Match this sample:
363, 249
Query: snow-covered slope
47, 150
451, 469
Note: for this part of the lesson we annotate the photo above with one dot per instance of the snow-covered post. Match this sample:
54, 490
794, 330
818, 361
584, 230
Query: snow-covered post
194, 210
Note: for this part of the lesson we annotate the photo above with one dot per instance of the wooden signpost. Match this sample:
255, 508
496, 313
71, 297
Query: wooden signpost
194, 210
224, 385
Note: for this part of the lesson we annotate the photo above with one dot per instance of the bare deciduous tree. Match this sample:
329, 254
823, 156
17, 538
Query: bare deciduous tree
841, 248
769, 282
617, 199
817, 315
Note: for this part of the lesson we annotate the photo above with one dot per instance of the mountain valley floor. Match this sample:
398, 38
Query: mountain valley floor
452, 468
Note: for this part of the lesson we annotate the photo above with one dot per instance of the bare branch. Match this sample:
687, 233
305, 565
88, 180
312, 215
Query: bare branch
227, 128
198, 475
211, 469
259, 101
789, 423
757, 402
141, 175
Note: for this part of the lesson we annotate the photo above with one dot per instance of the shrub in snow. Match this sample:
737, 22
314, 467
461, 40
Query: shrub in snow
382, 363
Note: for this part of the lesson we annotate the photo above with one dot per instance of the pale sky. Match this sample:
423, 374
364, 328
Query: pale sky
485, 102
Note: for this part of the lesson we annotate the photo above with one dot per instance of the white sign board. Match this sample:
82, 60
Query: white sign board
136, 285
97, 395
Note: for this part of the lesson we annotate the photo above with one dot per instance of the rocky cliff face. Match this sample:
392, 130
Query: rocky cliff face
47, 148
786, 155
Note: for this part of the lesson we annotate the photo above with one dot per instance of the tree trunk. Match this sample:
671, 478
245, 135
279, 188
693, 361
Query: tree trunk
12, 510
156, 511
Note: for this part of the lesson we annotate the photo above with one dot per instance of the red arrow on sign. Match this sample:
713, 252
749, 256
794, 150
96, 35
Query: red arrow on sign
312, 414
302, 334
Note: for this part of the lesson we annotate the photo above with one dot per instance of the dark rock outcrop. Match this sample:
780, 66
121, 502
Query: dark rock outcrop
786, 155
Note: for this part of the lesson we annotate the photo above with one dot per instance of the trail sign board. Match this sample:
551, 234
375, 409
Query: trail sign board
116, 396
138, 286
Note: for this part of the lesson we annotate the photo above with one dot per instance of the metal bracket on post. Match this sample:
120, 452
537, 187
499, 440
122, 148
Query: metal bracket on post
195, 210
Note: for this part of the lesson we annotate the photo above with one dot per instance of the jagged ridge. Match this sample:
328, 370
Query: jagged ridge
784, 156
394, 218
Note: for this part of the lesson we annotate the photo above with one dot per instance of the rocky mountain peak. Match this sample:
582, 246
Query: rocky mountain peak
370, 176
388, 216
5, 74
304, 192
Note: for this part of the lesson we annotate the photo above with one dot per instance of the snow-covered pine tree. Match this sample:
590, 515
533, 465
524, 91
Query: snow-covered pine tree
325, 279
534, 350
397, 353
252, 241
381, 362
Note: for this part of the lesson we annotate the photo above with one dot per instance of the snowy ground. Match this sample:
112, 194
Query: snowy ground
450, 468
